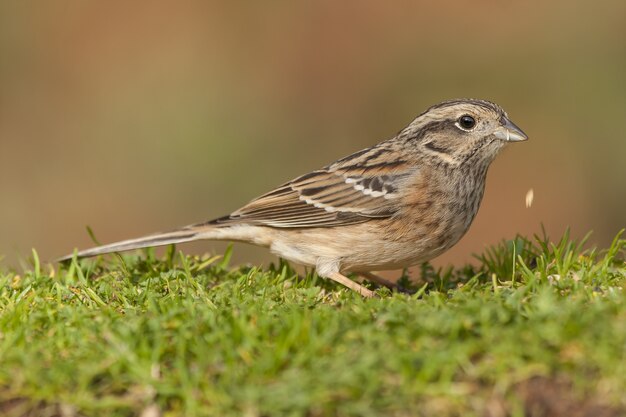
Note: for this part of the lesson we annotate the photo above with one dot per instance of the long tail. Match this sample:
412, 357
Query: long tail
185, 234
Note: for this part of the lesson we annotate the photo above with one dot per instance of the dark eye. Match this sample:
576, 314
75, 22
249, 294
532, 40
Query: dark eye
467, 122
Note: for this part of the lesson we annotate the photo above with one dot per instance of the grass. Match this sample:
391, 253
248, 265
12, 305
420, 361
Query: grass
537, 328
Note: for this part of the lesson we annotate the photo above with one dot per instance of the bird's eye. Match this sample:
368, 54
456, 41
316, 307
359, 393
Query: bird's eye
467, 122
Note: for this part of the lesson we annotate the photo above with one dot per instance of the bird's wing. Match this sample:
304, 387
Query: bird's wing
355, 189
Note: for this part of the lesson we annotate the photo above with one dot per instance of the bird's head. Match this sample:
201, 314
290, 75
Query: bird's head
463, 131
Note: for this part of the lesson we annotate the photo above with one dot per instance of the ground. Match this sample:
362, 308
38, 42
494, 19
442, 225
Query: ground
535, 329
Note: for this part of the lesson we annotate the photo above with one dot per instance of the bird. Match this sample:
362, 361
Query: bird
401, 202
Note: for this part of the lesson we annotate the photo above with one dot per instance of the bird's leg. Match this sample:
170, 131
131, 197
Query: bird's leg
385, 282
378, 280
337, 277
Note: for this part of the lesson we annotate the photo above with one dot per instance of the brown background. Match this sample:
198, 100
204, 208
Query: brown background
134, 117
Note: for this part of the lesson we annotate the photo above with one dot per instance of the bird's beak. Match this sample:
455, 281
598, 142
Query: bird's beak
509, 132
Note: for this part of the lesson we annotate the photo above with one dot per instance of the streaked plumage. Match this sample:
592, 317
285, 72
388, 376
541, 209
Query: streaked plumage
398, 203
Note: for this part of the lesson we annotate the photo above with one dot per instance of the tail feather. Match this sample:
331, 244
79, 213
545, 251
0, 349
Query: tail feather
158, 239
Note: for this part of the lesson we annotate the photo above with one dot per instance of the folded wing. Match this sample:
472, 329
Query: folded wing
358, 188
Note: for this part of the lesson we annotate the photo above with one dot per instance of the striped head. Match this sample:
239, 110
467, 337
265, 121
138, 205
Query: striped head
462, 131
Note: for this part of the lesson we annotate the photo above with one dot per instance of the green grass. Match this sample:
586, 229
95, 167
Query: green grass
534, 328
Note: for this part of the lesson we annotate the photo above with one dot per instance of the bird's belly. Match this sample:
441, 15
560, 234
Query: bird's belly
391, 255
357, 248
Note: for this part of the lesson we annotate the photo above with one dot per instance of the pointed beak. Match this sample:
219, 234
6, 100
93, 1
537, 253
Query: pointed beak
509, 132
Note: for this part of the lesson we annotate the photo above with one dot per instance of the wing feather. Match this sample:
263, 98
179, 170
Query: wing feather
355, 189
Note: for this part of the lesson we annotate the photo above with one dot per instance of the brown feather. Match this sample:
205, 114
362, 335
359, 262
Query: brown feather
353, 190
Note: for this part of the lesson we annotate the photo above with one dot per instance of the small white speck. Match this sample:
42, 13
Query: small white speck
530, 195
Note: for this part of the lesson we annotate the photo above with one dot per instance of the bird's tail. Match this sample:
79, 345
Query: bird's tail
185, 234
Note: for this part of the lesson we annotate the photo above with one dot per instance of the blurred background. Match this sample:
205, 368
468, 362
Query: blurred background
136, 117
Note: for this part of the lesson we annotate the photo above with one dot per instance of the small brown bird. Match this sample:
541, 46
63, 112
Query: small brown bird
393, 205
